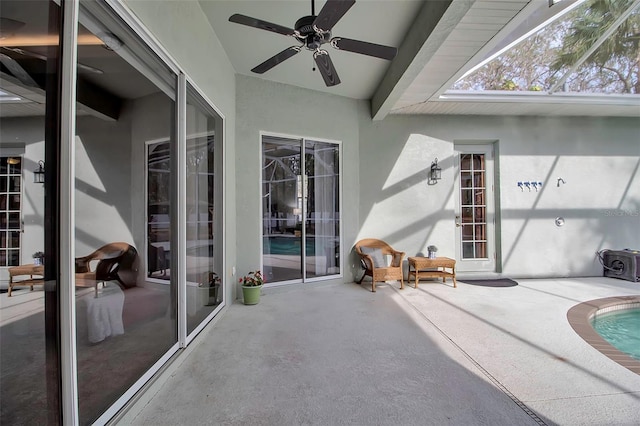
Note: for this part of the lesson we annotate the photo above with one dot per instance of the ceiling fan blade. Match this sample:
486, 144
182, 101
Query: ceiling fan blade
331, 13
364, 48
276, 59
258, 23
326, 68
16, 69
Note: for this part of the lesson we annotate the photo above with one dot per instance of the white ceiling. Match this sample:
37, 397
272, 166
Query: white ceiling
437, 42
378, 21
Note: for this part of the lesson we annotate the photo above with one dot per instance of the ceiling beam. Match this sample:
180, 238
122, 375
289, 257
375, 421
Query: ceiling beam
433, 24
92, 99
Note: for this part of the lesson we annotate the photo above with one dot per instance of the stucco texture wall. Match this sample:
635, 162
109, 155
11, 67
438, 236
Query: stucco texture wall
103, 172
280, 109
598, 158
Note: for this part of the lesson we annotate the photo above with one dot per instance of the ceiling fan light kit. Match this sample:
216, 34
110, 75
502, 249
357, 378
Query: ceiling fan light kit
312, 32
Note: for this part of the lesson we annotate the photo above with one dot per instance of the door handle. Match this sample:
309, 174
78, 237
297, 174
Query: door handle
458, 224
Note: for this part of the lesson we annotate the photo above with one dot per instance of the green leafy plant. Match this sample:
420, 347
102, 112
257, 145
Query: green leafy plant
38, 254
432, 248
252, 279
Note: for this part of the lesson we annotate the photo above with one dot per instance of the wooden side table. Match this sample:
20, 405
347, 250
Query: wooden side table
29, 270
423, 267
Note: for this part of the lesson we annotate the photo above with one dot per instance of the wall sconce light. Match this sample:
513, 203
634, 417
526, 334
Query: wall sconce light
436, 171
38, 175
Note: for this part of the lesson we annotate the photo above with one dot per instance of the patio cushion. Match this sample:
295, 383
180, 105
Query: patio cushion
376, 256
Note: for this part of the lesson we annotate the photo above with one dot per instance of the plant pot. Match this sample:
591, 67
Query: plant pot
251, 294
38, 261
213, 295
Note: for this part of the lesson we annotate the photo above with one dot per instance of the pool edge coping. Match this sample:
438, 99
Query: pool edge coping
579, 318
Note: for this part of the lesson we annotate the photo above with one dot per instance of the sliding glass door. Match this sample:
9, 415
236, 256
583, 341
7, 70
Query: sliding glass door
301, 209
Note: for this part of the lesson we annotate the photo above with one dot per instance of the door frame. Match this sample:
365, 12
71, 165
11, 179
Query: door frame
488, 264
304, 278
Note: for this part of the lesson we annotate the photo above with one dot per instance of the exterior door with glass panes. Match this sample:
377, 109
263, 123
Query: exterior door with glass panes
475, 209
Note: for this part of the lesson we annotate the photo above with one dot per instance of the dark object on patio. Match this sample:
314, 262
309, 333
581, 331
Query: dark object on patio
373, 254
115, 262
498, 282
157, 260
622, 264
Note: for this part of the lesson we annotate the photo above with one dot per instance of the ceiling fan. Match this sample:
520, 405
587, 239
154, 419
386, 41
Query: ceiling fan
312, 32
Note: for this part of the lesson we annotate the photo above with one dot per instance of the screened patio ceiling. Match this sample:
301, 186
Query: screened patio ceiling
589, 47
568, 58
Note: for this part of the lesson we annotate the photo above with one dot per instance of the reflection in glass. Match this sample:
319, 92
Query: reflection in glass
322, 225
465, 161
29, 373
466, 196
292, 190
467, 214
124, 325
282, 204
10, 212
158, 210
204, 210
465, 180
467, 232
473, 208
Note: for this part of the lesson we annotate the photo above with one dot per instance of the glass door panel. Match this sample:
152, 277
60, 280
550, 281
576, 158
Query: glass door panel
472, 194
297, 192
283, 199
29, 313
125, 321
158, 210
322, 225
474, 223
204, 210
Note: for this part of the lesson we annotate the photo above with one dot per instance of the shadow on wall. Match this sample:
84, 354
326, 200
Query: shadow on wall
598, 200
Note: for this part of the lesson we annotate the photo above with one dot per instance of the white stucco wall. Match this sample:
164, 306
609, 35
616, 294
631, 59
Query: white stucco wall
103, 175
204, 61
599, 159
281, 109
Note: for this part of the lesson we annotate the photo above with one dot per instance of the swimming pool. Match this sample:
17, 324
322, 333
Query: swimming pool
287, 245
621, 329
581, 317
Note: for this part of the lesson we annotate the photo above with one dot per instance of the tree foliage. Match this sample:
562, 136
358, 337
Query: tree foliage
540, 61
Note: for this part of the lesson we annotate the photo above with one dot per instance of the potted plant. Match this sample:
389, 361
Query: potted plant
251, 286
38, 258
432, 250
211, 283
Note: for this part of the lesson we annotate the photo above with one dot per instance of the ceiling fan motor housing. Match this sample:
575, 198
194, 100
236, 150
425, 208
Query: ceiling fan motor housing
308, 35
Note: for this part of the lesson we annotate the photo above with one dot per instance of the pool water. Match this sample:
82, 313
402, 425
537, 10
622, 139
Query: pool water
621, 329
287, 245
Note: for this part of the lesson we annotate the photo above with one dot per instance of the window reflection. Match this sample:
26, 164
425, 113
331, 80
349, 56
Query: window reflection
204, 213
301, 208
25, 137
473, 208
125, 321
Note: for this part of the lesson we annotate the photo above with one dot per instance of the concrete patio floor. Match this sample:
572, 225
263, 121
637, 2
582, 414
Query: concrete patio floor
437, 355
